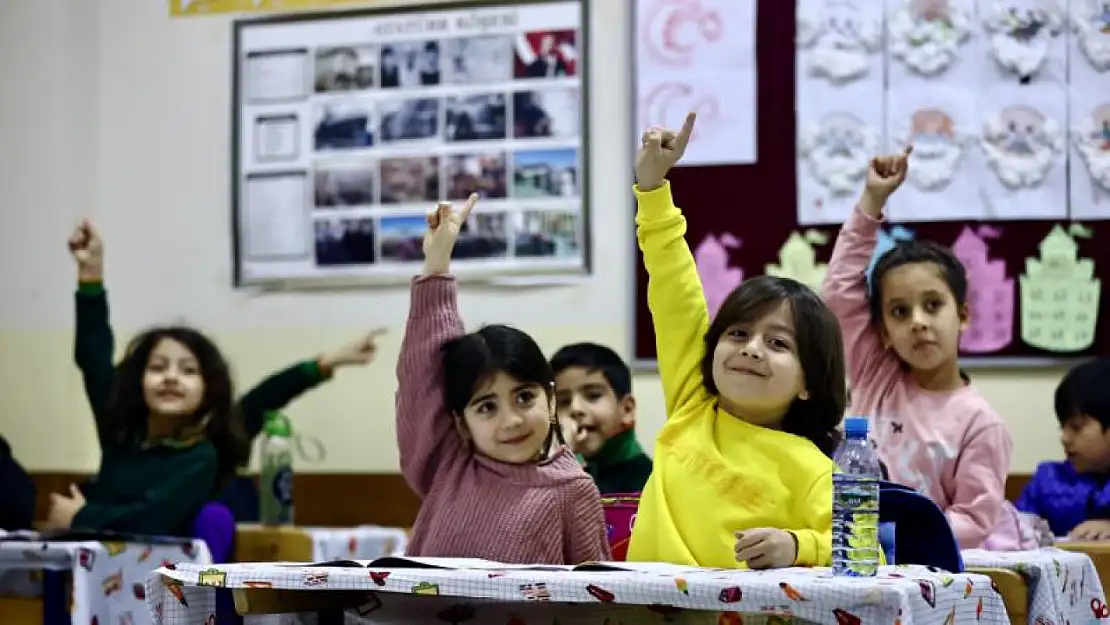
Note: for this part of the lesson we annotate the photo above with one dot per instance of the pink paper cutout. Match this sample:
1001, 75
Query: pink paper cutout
718, 279
990, 294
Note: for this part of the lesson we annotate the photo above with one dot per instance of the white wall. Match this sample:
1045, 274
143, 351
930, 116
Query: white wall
113, 110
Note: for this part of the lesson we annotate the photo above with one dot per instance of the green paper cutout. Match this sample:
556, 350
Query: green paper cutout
798, 259
1060, 294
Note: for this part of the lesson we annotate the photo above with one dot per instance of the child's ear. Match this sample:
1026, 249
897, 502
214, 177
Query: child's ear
965, 317
627, 408
460, 427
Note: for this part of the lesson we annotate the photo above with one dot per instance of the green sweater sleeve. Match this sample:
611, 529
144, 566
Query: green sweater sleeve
94, 346
165, 509
276, 391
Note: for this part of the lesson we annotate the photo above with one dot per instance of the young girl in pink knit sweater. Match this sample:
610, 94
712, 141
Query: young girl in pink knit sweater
477, 432
932, 429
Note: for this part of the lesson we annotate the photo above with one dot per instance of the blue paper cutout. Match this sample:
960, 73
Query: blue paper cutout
886, 242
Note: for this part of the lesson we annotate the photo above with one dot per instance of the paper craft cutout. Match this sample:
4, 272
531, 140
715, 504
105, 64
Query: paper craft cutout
938, 148
718, 279
1092, 140
990, 294
1021, 145
1020, 36
798, 259
1091, 21
926, 35
886, 242
837, 151
841, 38
1059, 294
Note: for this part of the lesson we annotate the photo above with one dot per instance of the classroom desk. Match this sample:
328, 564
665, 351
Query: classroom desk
58, 582
502, 594
1062, 586
1098, 552
291, 543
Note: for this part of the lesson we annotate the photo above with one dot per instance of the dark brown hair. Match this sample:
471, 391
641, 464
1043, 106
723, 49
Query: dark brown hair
820, 351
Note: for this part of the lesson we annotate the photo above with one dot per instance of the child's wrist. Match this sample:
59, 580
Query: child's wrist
650, 185
872, 205
90, 276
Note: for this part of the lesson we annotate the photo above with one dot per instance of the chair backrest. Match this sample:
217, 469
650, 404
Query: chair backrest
215, 525
620, 515
922, 534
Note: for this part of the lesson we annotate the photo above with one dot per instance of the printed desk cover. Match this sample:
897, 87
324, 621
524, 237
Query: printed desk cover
108, 577
652, 593
1064, 587
365, 542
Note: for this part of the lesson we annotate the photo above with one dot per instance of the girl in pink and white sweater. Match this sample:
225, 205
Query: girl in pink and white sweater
478, 436
932, 429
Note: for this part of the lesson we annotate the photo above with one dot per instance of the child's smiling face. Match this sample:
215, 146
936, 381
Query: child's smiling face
585, 397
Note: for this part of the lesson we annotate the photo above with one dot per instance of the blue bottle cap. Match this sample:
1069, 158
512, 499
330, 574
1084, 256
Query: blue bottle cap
855, 427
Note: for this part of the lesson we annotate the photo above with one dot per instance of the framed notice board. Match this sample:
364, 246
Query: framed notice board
1035, 284
348, 128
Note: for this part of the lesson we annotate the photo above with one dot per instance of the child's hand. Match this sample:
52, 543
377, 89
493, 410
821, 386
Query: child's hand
358, 352
766, 548
63, 509
1091, 529
443, 230
88, 250
660, 150
884, 177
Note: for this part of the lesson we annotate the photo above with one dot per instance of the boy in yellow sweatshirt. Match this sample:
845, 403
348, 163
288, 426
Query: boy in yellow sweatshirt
743, 475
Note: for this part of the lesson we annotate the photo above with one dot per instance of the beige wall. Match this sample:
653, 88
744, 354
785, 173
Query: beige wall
112, 109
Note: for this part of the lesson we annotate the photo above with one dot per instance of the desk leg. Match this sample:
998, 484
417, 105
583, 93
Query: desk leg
55, 598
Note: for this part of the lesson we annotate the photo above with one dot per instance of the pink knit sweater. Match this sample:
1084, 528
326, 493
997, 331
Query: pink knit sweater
473, 506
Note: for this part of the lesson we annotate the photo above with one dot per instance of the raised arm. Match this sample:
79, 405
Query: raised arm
426, 435
94, 345
675, 297
845, 287
281, 388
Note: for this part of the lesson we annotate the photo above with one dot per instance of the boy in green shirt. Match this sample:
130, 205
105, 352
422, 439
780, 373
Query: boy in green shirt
593, 388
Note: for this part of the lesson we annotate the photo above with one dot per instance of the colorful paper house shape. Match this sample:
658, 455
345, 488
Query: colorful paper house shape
1060, 295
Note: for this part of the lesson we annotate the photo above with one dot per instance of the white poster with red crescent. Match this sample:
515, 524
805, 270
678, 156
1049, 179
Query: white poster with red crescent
699, 55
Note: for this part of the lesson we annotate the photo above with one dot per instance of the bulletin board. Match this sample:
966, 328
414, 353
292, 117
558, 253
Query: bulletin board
348, 127
1046, 274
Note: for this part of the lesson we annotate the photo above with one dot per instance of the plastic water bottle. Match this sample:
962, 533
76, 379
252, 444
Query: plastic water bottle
276, 484
855, 505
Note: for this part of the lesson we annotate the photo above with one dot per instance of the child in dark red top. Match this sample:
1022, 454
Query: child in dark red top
477, 433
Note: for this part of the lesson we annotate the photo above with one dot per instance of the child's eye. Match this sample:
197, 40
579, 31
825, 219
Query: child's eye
525, 398
898, 312
592, 397
738, 334
934, 305
779, 345
486, 407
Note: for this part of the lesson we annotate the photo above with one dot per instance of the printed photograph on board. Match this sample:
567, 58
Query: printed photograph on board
410, 179
546, 113
339, 185
344, 124
546, 234
415, 119
545, 173
484, 174
344, 242
545, 54
346, 68
477, 118
477, 60
410, 64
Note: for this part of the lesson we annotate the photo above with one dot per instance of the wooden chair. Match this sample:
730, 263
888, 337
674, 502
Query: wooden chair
1014, 591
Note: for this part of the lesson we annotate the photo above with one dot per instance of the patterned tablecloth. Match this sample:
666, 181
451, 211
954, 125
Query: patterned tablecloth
514, 595
108, 577
365, 542
1064, 588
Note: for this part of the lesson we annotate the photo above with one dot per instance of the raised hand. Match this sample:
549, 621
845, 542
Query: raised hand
660, 149
884, 176
88, 250
358, 352
443, 230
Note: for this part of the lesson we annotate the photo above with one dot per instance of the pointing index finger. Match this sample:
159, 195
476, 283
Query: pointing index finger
687, 129
376, 332
469, 206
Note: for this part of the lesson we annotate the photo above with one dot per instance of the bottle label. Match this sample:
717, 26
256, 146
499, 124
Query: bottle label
856, 545
282, 485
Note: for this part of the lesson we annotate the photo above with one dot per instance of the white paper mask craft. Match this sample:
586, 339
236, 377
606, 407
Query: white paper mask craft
837, 151
1092, 140
1091, 21
1020, 37
1021, 146
938, 148
926, 35
840, 37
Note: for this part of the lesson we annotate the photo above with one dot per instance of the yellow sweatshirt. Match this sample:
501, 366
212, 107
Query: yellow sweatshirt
714, 473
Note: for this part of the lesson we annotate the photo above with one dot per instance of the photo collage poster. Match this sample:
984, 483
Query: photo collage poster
351, 127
